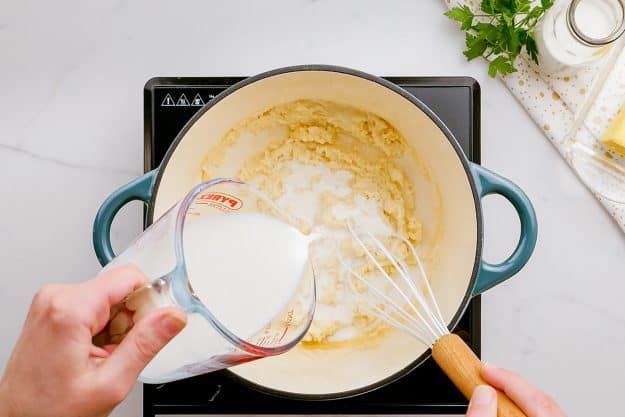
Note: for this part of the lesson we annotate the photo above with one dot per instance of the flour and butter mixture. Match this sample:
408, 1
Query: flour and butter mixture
325, 163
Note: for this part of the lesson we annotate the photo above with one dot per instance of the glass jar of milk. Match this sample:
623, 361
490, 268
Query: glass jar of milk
575, 32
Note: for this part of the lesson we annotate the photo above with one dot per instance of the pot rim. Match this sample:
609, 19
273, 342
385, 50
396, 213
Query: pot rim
453, 142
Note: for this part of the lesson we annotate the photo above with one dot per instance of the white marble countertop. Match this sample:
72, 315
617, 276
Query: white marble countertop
71, 78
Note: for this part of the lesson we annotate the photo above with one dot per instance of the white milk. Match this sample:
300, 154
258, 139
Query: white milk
302, 198
245, 268
559, 48
303, 188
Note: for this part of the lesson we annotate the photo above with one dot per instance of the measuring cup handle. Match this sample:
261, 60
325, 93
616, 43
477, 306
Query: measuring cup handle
136, 305
489, 274
137, 189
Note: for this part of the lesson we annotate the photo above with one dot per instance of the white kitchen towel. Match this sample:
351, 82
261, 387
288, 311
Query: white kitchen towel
553, 102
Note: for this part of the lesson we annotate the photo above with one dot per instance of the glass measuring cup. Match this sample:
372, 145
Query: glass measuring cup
233, 318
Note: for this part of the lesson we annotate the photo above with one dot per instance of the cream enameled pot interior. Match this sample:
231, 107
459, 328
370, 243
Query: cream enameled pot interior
445, 204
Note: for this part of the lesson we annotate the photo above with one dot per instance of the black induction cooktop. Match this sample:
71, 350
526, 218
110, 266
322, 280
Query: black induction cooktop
169, 103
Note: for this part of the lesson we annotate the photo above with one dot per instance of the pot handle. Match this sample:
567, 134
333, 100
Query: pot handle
489, 274
138, 189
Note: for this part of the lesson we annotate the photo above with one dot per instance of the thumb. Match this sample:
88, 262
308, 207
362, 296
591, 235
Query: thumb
142, 343
483, 402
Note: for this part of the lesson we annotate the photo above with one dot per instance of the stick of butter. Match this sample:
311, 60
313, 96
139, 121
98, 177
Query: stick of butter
614, 136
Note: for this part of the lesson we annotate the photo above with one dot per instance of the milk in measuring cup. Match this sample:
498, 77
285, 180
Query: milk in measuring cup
260, 259
245, 268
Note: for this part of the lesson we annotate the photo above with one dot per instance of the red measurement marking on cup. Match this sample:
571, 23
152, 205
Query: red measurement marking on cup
222, 200
261, 342
287, 324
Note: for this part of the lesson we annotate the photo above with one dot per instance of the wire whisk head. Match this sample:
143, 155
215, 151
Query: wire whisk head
388, 275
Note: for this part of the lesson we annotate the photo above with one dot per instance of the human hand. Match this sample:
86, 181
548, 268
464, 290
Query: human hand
56, 371
530, 400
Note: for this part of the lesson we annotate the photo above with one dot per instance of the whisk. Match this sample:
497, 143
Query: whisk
405, 300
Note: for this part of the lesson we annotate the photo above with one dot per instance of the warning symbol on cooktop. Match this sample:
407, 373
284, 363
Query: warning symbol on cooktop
197, 100
183, 101
168, 101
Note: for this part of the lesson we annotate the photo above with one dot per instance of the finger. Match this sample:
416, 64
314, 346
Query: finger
114, 285
97, 356
142, 343
108, 289
483, 402
97, 352
109, 348
532, 401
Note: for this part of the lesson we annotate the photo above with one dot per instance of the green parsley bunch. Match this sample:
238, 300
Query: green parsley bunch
501, 31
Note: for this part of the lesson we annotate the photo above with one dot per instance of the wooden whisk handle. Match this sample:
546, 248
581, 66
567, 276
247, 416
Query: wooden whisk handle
462, 366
